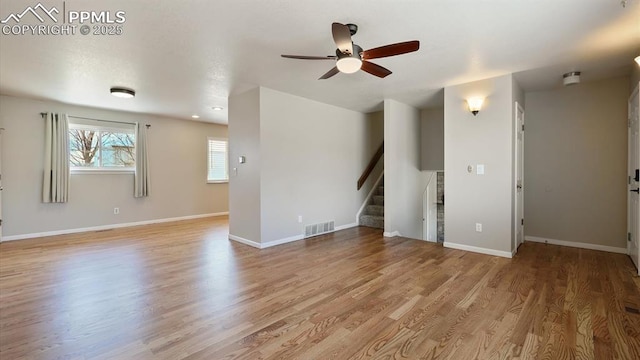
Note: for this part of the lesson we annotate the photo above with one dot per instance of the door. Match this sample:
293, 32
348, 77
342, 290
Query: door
519, 176
633, 212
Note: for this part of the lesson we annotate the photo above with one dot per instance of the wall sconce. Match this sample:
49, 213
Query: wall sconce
475, 104
637, 59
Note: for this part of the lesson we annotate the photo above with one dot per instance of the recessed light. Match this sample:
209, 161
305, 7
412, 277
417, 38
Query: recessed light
123, 92
217, 108
195, 116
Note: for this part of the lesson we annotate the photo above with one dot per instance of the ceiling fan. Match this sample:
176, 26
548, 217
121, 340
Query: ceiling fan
351, 58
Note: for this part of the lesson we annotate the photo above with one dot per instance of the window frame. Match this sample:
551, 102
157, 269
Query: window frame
102, 169
226, 141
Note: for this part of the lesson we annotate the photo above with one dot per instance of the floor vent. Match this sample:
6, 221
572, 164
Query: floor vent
317, 229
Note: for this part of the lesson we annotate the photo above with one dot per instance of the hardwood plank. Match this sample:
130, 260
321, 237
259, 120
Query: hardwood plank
184, 291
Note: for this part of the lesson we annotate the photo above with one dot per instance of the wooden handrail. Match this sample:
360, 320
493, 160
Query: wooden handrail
374, 160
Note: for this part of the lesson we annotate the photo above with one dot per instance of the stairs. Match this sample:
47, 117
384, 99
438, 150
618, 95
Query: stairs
373, 213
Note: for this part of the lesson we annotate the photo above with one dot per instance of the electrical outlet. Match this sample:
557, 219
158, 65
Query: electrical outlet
116, 211
478, 227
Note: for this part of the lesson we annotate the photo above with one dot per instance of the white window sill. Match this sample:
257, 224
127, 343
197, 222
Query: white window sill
217, 181
101, 172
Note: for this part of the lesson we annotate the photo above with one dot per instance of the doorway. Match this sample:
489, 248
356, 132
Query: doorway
633, 212
518, 176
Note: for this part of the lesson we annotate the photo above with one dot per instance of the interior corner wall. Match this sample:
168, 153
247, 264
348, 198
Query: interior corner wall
404, 182
576, 163
635, 77
177, 163
244, 179
471, 140
312, 155
432, 139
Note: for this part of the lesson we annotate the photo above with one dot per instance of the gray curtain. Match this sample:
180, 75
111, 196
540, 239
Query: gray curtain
55, 185
141, 178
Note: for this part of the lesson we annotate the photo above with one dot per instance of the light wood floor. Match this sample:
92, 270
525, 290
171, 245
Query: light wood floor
183, 291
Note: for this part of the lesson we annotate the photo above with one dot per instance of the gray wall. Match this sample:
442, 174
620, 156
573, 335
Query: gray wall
302, 166
244, 184
178, 166
432, 139
575, 163
404, 182
471, 140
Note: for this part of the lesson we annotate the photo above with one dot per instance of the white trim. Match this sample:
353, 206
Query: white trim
245, 241
612, 249
506, 254
346, 226
369, 196
283, 240
109, 227
391, 233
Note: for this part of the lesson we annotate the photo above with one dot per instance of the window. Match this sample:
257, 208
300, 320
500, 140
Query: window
218, 169
101, 146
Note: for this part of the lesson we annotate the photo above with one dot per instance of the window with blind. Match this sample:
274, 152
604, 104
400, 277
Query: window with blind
101, 146
218, 169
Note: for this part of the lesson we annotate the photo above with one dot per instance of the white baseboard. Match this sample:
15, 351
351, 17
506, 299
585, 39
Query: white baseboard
506, 254
391, 233
283, 240
245, 241
108, 227
612, 249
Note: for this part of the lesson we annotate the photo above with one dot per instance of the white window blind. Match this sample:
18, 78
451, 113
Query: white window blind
218, 169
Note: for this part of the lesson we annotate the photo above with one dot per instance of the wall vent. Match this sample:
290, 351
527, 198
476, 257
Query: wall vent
320, 228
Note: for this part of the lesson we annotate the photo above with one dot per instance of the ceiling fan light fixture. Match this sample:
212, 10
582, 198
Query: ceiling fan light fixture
349, 65
123, 92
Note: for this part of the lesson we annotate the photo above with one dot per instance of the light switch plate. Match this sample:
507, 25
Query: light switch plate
480, 169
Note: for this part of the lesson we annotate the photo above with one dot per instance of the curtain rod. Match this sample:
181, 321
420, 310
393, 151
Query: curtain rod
111, 121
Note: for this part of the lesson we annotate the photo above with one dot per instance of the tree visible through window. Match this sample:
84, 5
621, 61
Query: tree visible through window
91, 147
218, 170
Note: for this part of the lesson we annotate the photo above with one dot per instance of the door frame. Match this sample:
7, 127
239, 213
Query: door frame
632, 234
518, 172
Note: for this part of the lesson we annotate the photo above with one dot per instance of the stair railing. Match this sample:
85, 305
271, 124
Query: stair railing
372, 164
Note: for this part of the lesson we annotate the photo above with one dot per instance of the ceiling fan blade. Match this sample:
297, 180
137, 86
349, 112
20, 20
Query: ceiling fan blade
391, 50
330, 73
342, 37
375, 69
302, 57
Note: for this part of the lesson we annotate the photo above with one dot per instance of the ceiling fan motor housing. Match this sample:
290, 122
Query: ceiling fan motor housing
357, 53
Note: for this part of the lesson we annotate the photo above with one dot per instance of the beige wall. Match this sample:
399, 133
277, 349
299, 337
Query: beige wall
310, 158
244, 184
635, 77
471, 140
432, 139
575, 163
404, 182
178, 167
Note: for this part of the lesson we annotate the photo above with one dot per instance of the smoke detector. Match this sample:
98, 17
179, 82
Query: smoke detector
571, 78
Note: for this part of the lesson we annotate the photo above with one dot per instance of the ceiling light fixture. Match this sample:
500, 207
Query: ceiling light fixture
195, 116
217, 108
349, 63
571, 78
123, 92
475, 104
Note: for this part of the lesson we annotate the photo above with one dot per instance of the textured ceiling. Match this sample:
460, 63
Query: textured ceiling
184, 57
